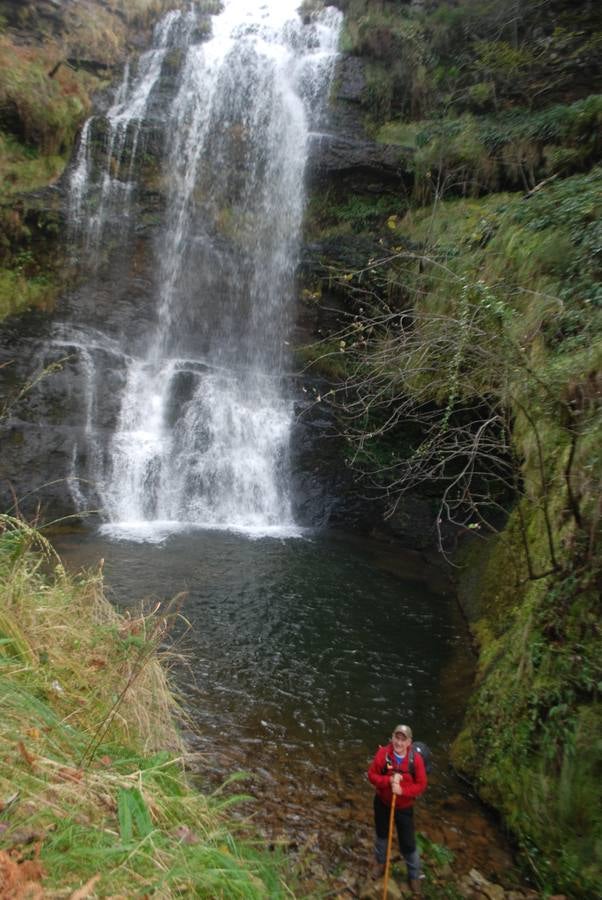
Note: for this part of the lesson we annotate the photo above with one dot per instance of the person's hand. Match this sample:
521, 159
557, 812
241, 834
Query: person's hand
396, 784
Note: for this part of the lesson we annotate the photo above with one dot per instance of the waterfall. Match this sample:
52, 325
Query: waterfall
121, 135
203, 417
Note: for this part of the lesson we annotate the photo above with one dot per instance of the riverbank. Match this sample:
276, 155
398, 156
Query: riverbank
94, 799
324, 819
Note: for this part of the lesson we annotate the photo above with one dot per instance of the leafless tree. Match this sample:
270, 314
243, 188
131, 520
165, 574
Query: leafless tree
430, 399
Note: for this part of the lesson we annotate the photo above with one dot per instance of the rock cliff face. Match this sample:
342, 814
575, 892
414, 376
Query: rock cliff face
349, 170
43, 426
59, 55
345, 156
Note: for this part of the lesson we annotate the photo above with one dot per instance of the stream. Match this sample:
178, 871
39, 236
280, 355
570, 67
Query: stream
300, 656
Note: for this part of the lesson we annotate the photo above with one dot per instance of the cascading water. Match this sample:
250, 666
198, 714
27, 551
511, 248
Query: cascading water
204, 420
122, 122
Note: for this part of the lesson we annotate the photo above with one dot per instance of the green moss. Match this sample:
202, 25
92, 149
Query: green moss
30, 266
403, 133
332, 213
463, 752
324, 358
18, 292
540, 254
533, 742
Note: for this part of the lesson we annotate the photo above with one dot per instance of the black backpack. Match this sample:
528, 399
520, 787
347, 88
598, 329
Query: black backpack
425, 752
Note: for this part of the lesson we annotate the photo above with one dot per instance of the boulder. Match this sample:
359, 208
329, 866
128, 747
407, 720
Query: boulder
333, 155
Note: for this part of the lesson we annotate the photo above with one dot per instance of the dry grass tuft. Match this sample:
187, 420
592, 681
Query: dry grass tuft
105, 671
93, 793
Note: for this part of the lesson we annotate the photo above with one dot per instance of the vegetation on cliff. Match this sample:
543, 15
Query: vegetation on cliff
93, 792
469, 361
53, 59
433, 57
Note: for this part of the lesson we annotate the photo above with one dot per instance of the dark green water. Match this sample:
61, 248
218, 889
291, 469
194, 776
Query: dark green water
321, 642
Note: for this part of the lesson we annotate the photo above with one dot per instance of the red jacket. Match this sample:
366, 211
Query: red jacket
384, 765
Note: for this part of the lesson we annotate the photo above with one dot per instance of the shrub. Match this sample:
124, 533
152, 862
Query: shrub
39, 110
473, 155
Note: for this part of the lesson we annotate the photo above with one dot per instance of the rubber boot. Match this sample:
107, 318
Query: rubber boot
378, 870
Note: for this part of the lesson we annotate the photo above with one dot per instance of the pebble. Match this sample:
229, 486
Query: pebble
330, 827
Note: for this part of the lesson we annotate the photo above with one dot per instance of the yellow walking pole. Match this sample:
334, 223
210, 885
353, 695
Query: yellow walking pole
389, 842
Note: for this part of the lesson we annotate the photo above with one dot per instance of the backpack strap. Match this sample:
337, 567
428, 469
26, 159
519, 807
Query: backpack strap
389, 765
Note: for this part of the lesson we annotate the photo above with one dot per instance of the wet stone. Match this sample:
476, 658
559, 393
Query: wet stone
373, 890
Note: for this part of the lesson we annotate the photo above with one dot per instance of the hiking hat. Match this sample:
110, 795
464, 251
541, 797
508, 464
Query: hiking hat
404, 729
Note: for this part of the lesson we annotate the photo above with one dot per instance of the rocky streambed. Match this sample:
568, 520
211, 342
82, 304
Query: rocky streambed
322, 815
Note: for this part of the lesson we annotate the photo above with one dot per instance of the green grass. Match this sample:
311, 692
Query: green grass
539, 255
469, 57
91, 750
516, 148
24, 168
44, 112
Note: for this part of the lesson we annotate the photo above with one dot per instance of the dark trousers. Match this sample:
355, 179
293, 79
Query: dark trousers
406, 836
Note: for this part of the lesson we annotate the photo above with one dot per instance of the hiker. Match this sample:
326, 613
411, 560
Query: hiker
397, 772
